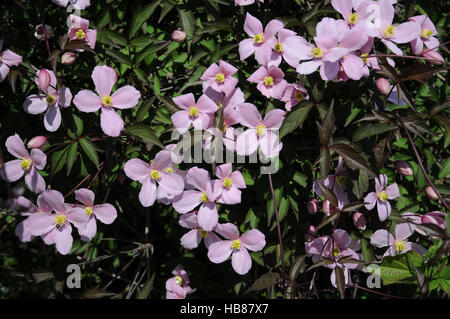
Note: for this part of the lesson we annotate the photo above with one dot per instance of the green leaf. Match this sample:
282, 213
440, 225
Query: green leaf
90, 150
142, 16
71, 156
265, 281
109, 36
371, 129
119, 56
145, 134
58, 160
351, 157
295, 119
396, 270
152, 48
297, 267
187, 21
327, 127
76, 127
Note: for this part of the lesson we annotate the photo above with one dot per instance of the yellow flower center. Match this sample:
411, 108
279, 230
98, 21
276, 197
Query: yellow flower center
89, 210
364, 57
154, 174
203, 233
193, 111
353, 18
50, 99
268, 81
60, 219
26, 163
169, 170
236, 244
341, 180
336, 251
400, 246
259, 38
80, 34
317, 53
107, 100
220, 77
227, 182
426, 33
278, 47
179, 280
260, 130
299, 95
204, 197
383, 196
389, 31
219, 105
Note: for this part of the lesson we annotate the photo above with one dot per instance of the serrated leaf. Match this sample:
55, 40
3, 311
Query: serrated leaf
295, 118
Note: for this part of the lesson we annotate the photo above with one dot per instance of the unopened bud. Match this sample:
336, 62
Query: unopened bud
359, 220
312, 206
383, 86
433, 57
436, 218
41, 32
68, 58
37, 142
310, 233
429, 191
44, 79
328, 208
178, 36
403, 168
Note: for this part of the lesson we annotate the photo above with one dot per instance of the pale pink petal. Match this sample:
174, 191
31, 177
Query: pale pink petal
40, 223
263, 53
404, 230
274, 118
247, 142
382, 238
171, 183
198, 177
253, 240
181, 121
63, 239
126, 97
258, 76
238, 179
227, 230
208, 216
111, 123
380, 183
252, 25
188, 220
137, 169
184, 101
52, 119
246, 48
10, 58
89, 231
187, 201
191, 239
16, 147
270, 145
85, 196
406, 32
384, 210
220, 251
224, 170
309, 67
87, 101
392, 191
35, 181
35, 104
104, 78
106, 213
230, 196
344, 7
147, 195
370, 200
249, 115
39, 158
241, 261
353, 66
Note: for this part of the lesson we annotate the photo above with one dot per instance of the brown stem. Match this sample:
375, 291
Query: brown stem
275, 206
416, 153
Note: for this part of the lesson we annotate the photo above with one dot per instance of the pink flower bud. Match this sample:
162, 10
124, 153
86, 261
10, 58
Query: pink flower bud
436, 218
310, 233
178, 36
434, 56
403, 168
37, 142
383, 86
41, 32
359, 220
328, 209
44, 79
68, 58
431, 194
312, 206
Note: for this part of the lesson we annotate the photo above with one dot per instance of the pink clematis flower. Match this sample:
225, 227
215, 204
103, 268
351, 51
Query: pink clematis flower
193, 238
199, 114
324, 54
220, 77
56, 228
352, 64
79, 30
202, 192
157, 174
383, 27
262, 133
278, 53
126, 97
398, 244
49, 102
336, 247
178, 287
245, 2
26, 164
294, 94
260, 42
229, 182
349, 10
426, 36
7, 60
381, 196
237, 246
106, 213
78, 4
271, 82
